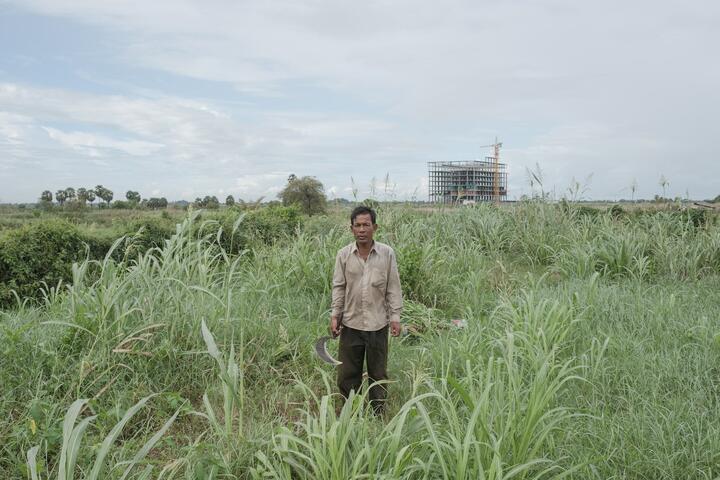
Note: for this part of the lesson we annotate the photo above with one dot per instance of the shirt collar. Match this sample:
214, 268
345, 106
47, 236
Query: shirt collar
355, 247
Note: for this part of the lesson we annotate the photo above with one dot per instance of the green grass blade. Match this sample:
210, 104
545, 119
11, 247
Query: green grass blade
145, 449
112, 436
68, 428
210, 343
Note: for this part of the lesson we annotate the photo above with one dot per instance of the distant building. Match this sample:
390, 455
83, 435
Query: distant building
467, 182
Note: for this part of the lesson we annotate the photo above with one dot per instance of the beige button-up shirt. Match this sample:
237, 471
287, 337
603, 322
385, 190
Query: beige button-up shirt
366, 292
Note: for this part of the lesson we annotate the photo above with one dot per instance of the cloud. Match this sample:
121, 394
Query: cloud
14, 128
623, 90
454, 59
92, 144
195, 148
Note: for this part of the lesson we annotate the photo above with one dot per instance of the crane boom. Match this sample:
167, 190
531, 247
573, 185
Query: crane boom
496, 176
496, 169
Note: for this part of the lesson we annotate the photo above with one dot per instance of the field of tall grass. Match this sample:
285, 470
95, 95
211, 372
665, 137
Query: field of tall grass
592, 350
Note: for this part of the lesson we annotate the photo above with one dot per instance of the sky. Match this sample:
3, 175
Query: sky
183, 99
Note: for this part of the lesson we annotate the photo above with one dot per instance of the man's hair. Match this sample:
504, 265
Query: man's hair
362, 210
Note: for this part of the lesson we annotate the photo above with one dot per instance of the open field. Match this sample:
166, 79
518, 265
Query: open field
592, 350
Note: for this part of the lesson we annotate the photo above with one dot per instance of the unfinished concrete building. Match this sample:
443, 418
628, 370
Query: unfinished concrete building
467, 182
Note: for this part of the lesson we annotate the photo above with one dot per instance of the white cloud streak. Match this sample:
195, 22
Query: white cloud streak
192, 147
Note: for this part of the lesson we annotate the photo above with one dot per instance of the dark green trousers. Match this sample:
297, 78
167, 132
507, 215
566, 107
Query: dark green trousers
355, 347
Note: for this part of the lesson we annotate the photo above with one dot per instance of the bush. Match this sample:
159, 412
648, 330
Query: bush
699, 218
38, 254
146, 233
262, 226
410, 259
74, 206
616, 211
270, 224
576, 210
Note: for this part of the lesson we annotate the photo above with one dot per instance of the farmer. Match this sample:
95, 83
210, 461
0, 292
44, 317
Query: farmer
366, 299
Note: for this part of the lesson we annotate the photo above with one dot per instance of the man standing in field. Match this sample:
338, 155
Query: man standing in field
366, 299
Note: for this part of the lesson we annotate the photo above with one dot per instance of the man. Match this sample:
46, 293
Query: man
366, 299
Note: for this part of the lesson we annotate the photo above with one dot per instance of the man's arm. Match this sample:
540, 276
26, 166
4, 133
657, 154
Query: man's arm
338, 295
393, 296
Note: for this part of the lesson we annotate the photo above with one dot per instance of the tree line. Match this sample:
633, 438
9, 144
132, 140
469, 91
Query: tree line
306, 192
83, 196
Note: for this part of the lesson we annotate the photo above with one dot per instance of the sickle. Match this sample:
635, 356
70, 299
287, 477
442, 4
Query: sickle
321, 350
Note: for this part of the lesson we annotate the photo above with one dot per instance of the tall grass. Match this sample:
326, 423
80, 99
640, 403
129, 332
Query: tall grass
590, 349
72, 436
487, 411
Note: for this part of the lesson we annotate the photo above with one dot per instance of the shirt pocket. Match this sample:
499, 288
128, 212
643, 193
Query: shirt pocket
378, 279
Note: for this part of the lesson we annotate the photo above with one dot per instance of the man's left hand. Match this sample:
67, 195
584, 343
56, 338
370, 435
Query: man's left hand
395, 329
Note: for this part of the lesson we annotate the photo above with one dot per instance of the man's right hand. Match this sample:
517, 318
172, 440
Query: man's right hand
335, 326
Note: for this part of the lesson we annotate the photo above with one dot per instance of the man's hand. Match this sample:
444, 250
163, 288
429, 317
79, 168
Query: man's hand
395, 329
335, 326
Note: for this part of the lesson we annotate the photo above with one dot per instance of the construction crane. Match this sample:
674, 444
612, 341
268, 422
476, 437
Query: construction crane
496, 169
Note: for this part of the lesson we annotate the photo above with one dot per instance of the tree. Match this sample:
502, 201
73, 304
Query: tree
90, 195
46, 200
307, 192
104, 193
156, 203
82, 195
230, 201
70, 193
60, 196
133, 197
207, 202
211, 202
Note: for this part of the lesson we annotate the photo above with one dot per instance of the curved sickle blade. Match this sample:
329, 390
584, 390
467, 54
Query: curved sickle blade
321, 350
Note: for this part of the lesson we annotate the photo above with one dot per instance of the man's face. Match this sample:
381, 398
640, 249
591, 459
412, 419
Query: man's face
363, 228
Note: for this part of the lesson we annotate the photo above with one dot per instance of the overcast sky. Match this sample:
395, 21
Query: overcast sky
186, 98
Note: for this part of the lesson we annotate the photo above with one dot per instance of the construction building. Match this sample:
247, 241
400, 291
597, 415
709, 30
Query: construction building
469, 181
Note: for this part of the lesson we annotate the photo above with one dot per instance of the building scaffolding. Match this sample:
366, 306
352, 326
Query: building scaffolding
467, 182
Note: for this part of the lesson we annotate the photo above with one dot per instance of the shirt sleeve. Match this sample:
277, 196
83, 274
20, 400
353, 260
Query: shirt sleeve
393, 294
338, 286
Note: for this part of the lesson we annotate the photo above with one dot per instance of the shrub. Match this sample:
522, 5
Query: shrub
616, 211
270, 224
38, 254
263, 226
74, 206
147, 233
699, 218
121, 205
588, 211
410, 258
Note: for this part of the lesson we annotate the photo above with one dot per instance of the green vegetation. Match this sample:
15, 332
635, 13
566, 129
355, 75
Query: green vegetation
307, 192
591, 349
